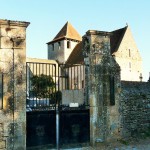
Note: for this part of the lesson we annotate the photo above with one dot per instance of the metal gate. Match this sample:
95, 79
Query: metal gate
57, 112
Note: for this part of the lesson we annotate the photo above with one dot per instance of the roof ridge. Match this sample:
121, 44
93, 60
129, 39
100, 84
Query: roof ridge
120, 29
67, 24
116, 38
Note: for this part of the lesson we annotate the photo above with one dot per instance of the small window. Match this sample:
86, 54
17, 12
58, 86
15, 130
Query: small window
59, 45
52, 47
68, 44
1, 91
129, 53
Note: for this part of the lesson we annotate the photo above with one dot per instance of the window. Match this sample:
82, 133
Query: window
59, 45
52, 47
68, 44
129, 53
1, 91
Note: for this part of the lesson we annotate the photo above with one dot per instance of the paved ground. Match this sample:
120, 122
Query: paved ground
142, 144
136, 144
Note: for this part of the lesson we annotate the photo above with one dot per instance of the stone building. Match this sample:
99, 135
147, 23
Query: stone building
122, 44
13, 85
63, 44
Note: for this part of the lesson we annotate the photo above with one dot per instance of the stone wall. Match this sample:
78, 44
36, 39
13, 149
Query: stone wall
102, 81
135, 108
118, 109
12, 66
72, 96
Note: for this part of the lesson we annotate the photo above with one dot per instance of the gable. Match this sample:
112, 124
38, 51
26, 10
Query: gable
128, 44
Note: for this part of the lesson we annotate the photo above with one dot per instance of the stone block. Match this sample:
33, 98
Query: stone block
2, 144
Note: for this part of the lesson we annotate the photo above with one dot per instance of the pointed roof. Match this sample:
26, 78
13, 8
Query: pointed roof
76, 56
68, 32
116, 38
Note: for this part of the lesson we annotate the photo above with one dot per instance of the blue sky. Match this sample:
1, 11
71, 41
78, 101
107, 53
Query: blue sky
48, 16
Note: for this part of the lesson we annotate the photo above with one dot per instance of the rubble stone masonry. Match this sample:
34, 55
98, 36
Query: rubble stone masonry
135, 108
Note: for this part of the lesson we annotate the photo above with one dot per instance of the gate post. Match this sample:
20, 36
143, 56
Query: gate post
102, 85
12, 65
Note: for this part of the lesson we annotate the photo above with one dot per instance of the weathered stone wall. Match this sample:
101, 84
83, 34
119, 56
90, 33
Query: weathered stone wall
134, 108
12, 66
101, 85
56, 52
124, 114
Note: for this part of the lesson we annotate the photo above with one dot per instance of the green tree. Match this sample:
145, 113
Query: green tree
42, 86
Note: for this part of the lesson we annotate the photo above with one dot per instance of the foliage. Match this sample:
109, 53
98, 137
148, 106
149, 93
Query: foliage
123, 142
42, 86
56, 96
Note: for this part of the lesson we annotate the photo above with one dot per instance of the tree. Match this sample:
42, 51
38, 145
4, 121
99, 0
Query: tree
42, 86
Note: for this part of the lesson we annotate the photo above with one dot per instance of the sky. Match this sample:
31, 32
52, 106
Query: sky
47, 17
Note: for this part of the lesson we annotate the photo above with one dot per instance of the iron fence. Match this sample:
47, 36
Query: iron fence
47, 83
41, 85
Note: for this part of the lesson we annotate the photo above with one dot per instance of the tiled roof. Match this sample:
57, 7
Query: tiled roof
76, 57
69, 32
116, 38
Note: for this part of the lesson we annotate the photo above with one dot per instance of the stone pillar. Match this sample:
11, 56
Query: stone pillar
102, 86
13, 68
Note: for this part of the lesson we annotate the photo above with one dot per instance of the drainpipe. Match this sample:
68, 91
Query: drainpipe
13, 90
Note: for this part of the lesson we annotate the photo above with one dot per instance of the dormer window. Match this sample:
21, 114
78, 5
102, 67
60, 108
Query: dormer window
68, 44
59, 45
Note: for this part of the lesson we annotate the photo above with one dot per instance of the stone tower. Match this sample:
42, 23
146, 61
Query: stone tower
62, 45
13, 84
102, 86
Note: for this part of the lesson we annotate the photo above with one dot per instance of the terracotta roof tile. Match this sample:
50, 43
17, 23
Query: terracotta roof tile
67, 31
76, 57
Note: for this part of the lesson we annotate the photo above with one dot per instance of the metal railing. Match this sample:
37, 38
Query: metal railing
41, 87
45, 83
